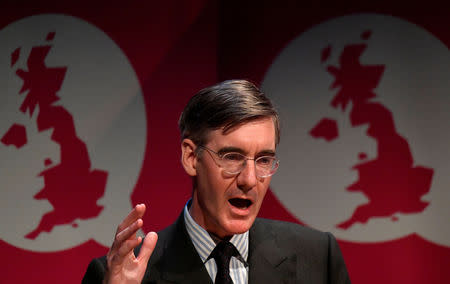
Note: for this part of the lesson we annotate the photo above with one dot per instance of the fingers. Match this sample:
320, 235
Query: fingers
147, 247
121, 260
128, 232
137, 212
125, 239
127, 247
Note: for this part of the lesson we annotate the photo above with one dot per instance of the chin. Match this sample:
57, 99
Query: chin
239, 226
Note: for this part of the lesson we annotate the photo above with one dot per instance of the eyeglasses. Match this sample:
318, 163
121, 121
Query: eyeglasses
233, 163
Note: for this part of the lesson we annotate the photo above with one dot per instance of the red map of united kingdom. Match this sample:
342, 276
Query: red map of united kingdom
71, 186
390, 181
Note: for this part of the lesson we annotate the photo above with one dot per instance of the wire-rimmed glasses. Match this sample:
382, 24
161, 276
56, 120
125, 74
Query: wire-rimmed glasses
234, 162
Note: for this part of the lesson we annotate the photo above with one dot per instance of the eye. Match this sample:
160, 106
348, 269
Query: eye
233, 157
265, 161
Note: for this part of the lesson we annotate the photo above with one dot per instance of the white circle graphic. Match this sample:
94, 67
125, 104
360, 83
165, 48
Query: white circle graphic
100, 92
315, 173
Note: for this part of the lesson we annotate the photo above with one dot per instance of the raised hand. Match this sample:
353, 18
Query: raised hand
123, 266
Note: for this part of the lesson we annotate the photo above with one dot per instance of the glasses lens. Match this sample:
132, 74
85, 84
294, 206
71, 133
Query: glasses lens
233, 163
266, 166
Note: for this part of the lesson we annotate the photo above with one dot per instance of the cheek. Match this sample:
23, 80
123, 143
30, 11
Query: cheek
211, 186
265, 183
263, 189
218, 183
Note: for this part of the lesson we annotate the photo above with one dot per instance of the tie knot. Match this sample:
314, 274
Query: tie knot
222, 254
224, 251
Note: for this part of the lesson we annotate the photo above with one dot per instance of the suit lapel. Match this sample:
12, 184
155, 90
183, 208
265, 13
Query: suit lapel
181, 262
268, 264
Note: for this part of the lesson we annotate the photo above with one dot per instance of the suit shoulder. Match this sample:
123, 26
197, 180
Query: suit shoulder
95, 271
309, 252
164, 236
291, 232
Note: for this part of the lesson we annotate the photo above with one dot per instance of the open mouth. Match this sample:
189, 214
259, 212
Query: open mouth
240, 203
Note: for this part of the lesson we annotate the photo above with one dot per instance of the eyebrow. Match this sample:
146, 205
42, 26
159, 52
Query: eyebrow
230, 149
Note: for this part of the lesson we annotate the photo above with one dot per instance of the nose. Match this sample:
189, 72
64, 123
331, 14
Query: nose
247, 179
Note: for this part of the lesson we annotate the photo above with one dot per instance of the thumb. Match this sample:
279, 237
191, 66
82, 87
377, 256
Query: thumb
147, 247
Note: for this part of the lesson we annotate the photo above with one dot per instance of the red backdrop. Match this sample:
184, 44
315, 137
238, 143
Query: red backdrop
177, 48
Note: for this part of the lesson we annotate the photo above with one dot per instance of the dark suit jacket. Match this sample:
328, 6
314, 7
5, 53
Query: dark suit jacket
279, 252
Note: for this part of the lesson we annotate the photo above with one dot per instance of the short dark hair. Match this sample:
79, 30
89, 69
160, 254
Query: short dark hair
226, 104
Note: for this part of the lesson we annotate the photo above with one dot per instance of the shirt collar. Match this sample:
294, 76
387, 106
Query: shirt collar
203, 242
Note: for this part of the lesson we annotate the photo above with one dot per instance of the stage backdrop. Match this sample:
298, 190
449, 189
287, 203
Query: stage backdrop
91, 91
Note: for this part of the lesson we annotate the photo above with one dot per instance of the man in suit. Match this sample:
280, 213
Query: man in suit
229, 136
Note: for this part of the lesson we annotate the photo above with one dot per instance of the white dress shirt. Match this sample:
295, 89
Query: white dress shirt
204, 245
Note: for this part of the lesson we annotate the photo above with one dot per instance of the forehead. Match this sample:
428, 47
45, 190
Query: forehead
258, 134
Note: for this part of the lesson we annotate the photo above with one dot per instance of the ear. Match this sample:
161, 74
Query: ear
189, 157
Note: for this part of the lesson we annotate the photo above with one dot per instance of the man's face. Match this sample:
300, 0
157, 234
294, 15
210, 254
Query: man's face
227, 204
